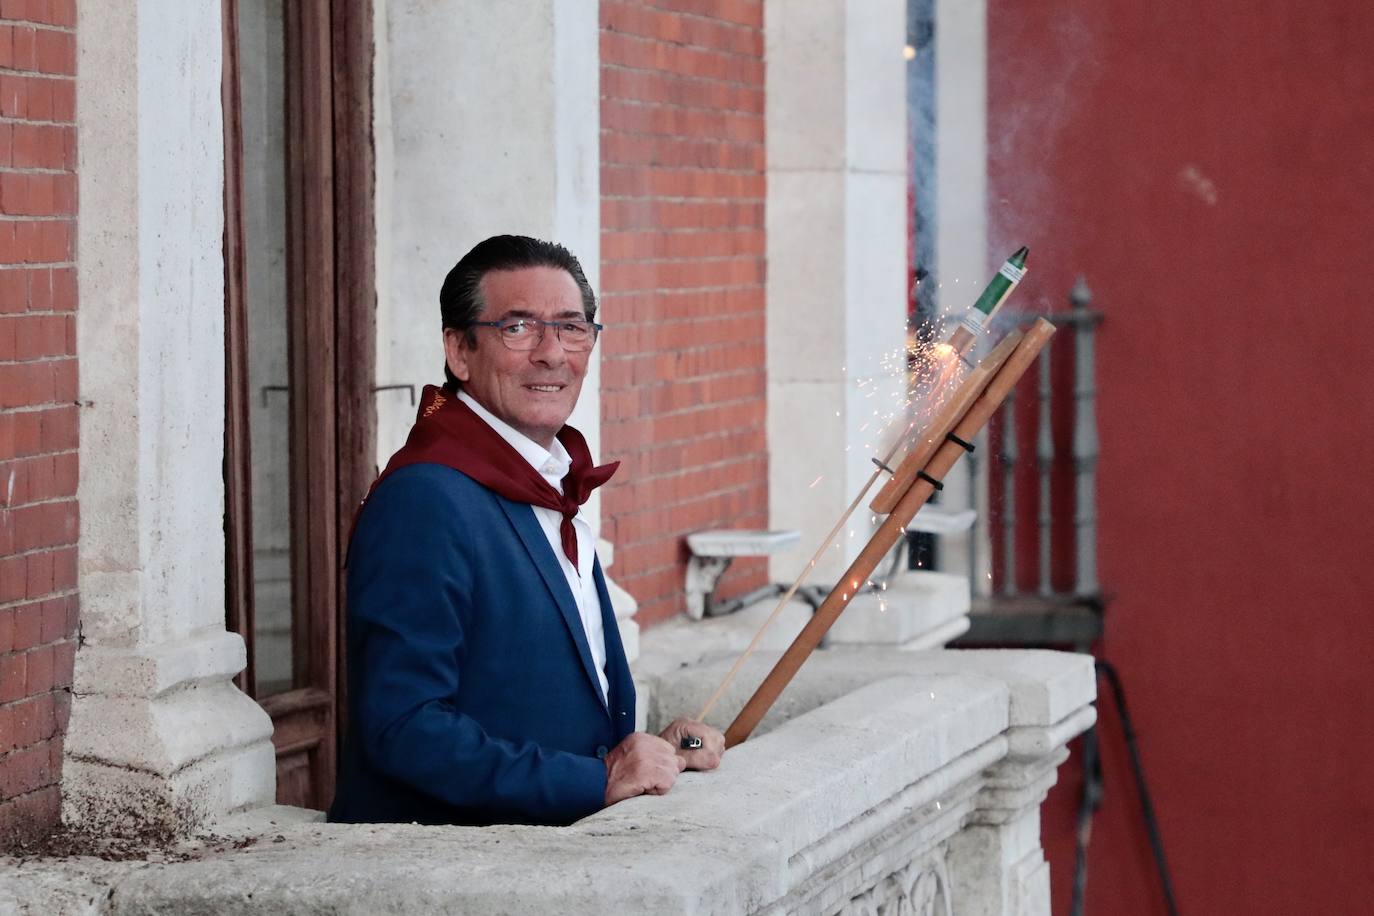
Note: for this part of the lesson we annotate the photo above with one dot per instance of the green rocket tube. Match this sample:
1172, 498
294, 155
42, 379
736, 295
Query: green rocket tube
976, 319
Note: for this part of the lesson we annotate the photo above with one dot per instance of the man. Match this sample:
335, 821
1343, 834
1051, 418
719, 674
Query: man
487, 682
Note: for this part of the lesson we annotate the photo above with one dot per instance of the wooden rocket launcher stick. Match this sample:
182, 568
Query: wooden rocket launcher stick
980, 397
925, 443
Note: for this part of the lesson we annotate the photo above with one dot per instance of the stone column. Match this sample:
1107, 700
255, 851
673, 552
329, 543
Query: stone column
836, 109
487, 120
961, 252
996, 863
158, 732
505, 141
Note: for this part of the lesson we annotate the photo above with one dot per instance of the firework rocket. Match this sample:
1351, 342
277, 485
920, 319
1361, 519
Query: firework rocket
979, 315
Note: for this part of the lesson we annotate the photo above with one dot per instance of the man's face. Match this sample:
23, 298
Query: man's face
532, 390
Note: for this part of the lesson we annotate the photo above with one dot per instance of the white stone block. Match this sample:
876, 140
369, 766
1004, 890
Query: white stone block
1046, 687
456, 166
875, 86
875, 273
804, 52
807, 313
913, 605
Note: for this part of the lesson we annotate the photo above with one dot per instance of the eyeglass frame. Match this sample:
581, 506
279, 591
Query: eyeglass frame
543, 326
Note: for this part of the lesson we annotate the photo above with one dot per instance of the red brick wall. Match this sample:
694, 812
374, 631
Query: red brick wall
38, 423
682, 274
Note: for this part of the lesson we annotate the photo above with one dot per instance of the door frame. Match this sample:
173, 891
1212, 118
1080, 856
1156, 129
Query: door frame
332, 344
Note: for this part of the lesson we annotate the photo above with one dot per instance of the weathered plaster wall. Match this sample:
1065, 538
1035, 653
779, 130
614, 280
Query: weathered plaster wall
504, 142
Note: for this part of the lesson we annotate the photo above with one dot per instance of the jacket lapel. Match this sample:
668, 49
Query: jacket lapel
527, 526
617, 668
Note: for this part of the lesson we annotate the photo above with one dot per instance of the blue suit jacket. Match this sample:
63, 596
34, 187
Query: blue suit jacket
471, 693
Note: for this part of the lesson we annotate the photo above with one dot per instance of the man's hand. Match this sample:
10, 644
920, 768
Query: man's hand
641, 765
705, 757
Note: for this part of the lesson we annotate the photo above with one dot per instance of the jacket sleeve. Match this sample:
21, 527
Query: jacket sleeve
410, 579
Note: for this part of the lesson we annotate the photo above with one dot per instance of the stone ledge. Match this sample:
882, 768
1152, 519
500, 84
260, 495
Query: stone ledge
918, 610
879, 778
1044, 686
912, 606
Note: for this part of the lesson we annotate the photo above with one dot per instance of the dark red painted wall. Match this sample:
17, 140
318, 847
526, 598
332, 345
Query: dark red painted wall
1210, 168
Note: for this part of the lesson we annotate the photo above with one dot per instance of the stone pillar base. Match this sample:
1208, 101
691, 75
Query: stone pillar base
161, 739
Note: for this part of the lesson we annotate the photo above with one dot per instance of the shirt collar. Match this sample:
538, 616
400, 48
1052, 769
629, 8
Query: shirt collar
551, 463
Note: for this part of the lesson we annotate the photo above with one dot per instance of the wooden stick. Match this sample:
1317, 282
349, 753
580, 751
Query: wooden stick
782, 602
933, 434
892, 528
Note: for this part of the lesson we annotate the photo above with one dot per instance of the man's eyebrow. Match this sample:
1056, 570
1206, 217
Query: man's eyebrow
526, 313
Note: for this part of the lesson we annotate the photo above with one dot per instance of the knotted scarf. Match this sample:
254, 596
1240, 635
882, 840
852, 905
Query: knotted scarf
448, 432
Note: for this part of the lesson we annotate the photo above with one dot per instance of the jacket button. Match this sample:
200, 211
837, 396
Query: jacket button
601, 752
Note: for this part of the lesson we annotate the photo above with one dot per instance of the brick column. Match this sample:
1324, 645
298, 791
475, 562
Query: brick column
38, 415
683, 383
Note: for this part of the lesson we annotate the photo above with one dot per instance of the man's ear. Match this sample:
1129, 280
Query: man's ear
456, 353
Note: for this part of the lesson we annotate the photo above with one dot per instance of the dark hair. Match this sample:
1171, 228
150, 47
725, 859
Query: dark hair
460, 298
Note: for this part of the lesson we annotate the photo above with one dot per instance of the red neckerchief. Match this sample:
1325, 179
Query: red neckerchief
448, 432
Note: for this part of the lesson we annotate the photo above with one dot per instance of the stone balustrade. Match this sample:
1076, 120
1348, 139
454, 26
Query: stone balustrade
884, 781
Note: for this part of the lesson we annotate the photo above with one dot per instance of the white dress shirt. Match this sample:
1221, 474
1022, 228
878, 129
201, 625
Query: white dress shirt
552, 465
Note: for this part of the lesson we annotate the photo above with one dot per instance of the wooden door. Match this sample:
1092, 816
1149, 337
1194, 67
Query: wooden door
299, 425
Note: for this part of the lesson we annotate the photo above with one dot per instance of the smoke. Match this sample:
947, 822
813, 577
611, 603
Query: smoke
1039, 69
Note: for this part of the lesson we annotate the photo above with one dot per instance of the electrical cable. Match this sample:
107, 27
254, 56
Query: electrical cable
1092, 797
1087, 808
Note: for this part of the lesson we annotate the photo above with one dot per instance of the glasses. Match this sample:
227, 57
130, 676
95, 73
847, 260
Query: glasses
574, 334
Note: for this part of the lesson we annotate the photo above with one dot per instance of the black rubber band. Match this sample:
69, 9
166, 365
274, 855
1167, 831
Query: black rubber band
939, 485
968, 446
884, 467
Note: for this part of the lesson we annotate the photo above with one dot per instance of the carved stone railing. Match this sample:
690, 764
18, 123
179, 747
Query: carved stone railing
890, 782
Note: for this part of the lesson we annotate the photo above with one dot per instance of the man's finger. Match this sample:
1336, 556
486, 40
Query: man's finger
704, 759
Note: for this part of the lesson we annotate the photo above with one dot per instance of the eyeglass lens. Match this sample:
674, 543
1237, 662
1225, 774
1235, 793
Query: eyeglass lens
528, 333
